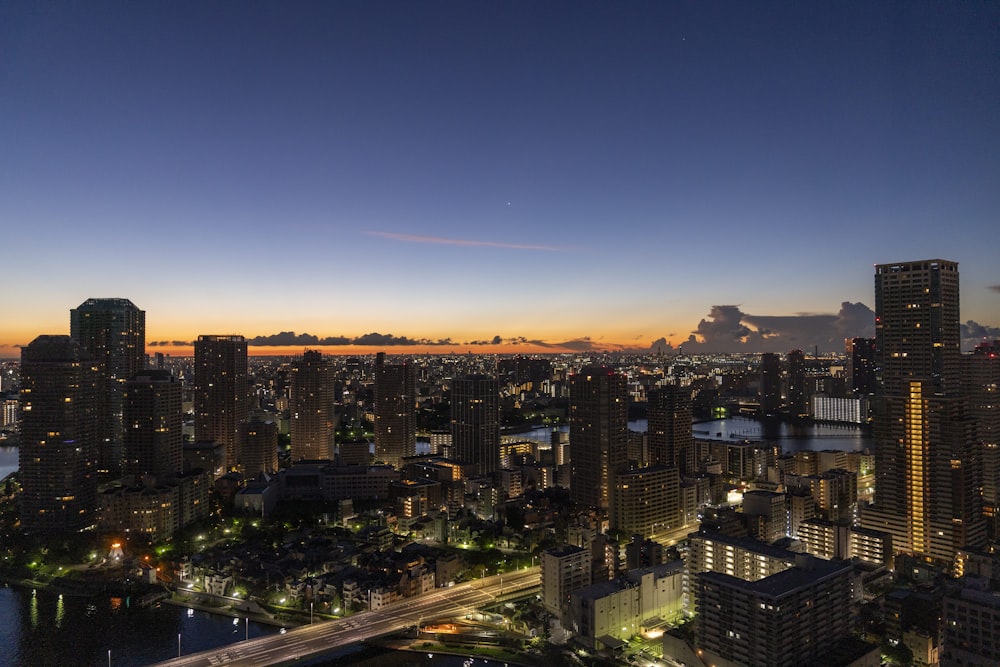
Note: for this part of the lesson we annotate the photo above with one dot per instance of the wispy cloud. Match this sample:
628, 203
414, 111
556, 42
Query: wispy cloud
413, 238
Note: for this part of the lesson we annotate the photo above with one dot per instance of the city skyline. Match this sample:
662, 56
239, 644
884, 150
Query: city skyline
516, 177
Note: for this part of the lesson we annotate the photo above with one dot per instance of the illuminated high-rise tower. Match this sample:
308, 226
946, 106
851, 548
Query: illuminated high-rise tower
153, 427
113, 331
58, 451
311, 408
598, 434
926, 461
475, 421
222, 398
395, 411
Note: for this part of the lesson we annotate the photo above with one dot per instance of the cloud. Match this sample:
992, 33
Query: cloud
169, 343
437, 240
994, 288
285, 338
974, 333
729, 329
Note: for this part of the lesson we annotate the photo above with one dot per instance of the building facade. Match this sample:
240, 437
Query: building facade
312, 408
927, 466
153, 419
57, 457
395, 411
475, 422
222, 393
113, 331
598, 435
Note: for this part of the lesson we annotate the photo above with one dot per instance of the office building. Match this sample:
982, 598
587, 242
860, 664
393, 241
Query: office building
311, 408
222, 393
113, 331
671, 439
475, 422
57, 457
927, 465
598, 434
153, 419
395, 411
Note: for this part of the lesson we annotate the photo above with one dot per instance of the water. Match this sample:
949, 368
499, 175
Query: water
43, 629
792, 437
8, 461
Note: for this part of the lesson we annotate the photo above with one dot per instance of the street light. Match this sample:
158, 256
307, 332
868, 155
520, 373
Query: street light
178, 644
310, 613
246, 622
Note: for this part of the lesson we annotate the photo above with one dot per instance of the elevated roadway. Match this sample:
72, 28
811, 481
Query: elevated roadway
309, 640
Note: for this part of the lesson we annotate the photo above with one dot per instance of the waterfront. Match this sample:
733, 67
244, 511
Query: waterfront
791, 436
8, 461
43, 628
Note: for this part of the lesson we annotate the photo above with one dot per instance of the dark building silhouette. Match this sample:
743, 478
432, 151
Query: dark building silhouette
927, 463
797, 395
59, 441
671, 440
475, 422
598, 434
113, 331
222, 393
312, 411
770, 383
395, 411
259, 447
153, 419
861, 366
981, 374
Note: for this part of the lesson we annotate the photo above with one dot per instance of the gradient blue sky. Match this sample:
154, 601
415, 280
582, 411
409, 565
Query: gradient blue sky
557, 171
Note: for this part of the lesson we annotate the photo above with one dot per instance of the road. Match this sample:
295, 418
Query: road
307, 640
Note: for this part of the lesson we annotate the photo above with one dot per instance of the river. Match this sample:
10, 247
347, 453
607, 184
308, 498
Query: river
792, 437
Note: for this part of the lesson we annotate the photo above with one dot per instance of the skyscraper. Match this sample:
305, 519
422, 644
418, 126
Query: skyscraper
671, 440
395, 411
311, 408
598, 434
153, 427
475, 421
797, 403
221, 399
770, 384
58, 451
927, 464
861, 366
113, 331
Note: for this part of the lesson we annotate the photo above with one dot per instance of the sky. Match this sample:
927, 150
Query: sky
494, 176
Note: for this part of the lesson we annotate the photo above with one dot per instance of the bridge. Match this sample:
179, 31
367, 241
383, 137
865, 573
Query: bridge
309, 640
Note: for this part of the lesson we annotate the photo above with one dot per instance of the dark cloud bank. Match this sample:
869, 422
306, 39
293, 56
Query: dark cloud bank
726, 329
